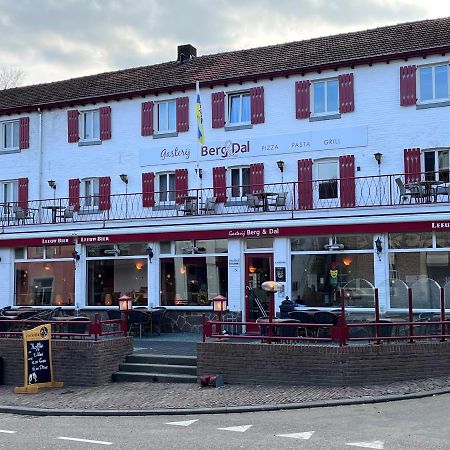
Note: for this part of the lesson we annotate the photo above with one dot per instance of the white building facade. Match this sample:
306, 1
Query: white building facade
319, 172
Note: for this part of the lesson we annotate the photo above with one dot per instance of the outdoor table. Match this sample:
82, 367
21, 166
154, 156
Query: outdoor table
428, 189
54, 209
264, 196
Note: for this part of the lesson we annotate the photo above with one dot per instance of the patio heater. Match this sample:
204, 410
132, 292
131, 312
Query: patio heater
125, 306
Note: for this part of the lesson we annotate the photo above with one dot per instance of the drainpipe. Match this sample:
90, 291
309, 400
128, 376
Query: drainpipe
40, 156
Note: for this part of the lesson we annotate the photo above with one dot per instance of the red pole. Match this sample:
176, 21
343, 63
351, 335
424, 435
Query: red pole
342, 321
444, 328
203, 327
377, 317
124, 324
411, 316
269, 331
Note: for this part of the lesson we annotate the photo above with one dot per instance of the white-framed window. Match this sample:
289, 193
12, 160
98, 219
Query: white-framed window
436, 163
8, 194
239, 109
240, 181
10, 134
166, 187
433, 83
90, 125
325, 97
89, 193
166, 114
327, 176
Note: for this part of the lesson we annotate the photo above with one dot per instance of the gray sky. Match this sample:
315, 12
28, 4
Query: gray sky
58, 39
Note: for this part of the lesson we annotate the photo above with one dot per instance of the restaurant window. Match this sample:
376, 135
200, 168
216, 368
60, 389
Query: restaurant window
327, 176
166, 187
325, 97
436, 165
166, 116
114, 270
259, 243
195, 274
44, 276
433, 83
240, 181
411, 240
10, 132
239, 108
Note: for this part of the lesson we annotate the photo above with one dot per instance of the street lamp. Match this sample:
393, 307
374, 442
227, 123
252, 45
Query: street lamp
272, 286
220, 305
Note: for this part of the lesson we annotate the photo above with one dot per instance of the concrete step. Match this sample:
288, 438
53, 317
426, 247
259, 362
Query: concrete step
147, 358
158, 368
153, 377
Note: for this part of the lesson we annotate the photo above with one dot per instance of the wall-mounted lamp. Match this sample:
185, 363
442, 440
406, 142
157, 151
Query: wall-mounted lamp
124, 177
378, 157
199, 172
52, 184
379, 247
150, 254
280, 165
75, 256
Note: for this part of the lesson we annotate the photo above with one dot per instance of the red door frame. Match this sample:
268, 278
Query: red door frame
271, 294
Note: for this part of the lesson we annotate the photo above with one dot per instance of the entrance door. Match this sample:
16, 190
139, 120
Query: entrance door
258, 302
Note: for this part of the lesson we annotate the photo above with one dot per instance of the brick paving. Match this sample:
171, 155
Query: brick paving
127, 396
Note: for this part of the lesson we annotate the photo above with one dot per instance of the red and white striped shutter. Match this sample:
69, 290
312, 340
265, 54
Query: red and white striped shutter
218, 109
148, 189
181, 185
257, 104
412, 167
73, 134
407, 85
23, 193
182, 114
105, 123
347, 181
302, 99
24, 133
74, 193
257, 178
346, 93
147, 119
104, 192
220, 184
305, 185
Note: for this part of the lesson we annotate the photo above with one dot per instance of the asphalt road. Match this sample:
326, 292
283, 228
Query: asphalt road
409, 424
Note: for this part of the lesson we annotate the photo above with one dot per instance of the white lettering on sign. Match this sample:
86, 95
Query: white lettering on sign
55, 241
440, 225
93, 239
257, 232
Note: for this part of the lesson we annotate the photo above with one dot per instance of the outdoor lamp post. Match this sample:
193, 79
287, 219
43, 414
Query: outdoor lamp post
125, 305
220, 305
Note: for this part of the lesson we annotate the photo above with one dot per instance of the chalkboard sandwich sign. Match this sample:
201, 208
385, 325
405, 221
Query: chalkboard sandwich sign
37, 354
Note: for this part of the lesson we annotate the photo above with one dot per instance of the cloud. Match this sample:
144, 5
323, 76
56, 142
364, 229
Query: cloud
56, 39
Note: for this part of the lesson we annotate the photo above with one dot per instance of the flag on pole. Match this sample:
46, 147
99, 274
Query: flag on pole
198, 113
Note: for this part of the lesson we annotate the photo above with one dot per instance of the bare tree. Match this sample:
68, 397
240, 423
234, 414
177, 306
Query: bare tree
10, 77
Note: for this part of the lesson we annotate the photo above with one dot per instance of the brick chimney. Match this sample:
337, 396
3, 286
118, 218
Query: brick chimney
185, 53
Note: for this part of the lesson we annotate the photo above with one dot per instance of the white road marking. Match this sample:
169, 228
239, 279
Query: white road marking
8, 431
239, 428
184, 423
374, 444
84, 440
304, 435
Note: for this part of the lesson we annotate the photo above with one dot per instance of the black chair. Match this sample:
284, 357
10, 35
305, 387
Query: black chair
326, 318
114, 314
78, 325
157, 318
303, 317
288, 331
386, 329
139, 319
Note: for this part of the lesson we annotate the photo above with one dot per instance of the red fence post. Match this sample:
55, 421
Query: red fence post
443, 326
270, 330
124, 324
411, 316
342, 322
203, 327
377, 317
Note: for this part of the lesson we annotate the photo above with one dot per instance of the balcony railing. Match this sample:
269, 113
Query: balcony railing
358, 192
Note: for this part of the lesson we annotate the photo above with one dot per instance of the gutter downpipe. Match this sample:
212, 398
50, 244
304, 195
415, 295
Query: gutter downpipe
40, 155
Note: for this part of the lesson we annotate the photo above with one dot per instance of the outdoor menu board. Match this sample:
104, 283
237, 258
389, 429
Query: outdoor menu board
37, 353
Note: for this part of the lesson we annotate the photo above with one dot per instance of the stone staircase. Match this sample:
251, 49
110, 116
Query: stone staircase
158, 369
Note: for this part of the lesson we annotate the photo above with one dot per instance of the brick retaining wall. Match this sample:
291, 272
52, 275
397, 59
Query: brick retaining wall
76, 362
323, 365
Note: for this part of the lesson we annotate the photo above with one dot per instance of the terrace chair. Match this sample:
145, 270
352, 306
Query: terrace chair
325, 317
442, 191
280, 201
21, 215
189, 207
139, 319
386, 329
157, 319
209, 206
414, 192
68, 213
254, 202
303, 317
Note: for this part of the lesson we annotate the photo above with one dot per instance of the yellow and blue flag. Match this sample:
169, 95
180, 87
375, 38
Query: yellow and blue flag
198, 113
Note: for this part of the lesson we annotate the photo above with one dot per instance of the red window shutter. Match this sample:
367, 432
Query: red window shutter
257, 104
104, 193
407, 85
220, 184
148, 189
73, 134
412, 164
74, 193
346, 93
24, 132
181, 185
105, 123
147, 119
302, 99
218, 109
256, 178
182, 114
305, 185
23, 193
347, 181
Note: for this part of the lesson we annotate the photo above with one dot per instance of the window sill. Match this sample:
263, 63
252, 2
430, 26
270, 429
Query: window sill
436, 104
242, 126
325, 117
163, 135
9, 151
85, 143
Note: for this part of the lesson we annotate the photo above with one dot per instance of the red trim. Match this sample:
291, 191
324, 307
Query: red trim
73, 134
220, 184
182, 104
310, 230
74, 193
104, 193
302, 99
148, 189
24, 133
408, 85
181, 185
147, 119
257, 178
218, 109
411, 157
305, 187
346, 93
105, 123
23, 193
257, 104
347, 181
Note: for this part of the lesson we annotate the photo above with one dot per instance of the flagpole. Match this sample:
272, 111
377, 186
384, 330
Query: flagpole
200, 132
